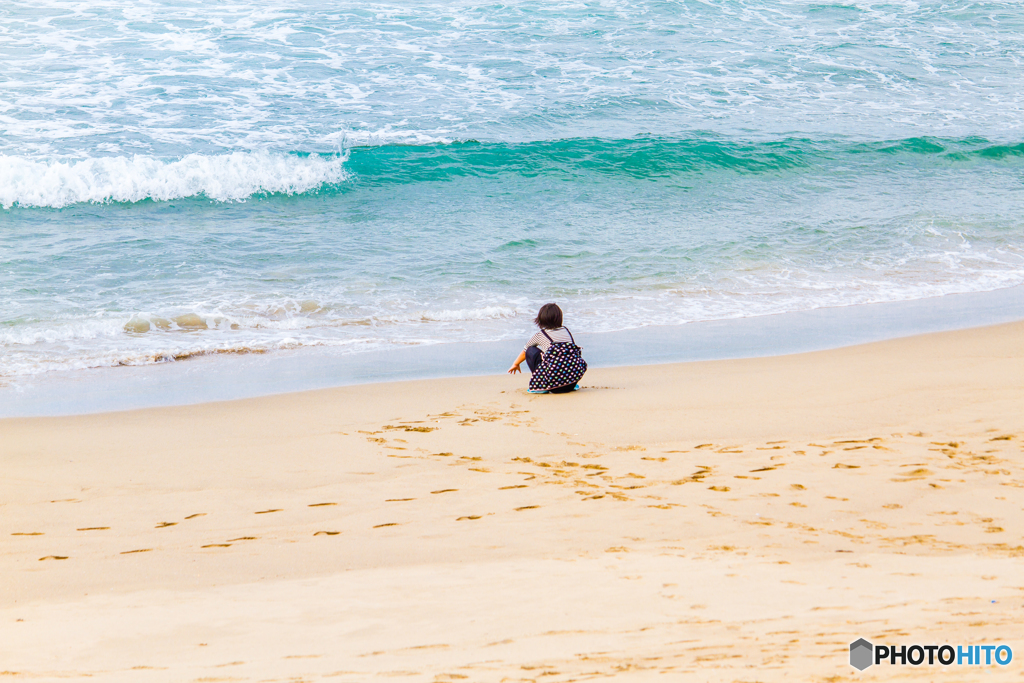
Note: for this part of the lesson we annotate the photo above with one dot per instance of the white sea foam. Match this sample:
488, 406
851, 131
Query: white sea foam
455, 315
170, 77
224, 177
108, 341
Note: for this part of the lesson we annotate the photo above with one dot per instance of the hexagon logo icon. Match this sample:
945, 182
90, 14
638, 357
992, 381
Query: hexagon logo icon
861, 654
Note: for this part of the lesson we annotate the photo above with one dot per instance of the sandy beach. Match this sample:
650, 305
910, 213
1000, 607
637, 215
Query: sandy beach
740, 520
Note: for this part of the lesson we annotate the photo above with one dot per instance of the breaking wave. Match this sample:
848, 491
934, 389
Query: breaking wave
224, 177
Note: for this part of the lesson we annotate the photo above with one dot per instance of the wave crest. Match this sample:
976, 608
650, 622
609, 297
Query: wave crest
223, 177
233, 177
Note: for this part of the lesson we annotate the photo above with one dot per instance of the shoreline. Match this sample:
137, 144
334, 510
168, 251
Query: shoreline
216, 378
697, 519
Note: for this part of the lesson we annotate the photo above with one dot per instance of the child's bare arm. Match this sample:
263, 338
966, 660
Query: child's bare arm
518, 361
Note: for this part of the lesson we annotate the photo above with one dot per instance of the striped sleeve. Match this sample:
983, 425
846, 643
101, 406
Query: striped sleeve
559, 334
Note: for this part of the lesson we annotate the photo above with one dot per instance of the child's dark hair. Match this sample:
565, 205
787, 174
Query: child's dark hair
550, 317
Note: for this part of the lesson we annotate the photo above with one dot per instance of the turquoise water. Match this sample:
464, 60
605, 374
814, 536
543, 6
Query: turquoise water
179, 179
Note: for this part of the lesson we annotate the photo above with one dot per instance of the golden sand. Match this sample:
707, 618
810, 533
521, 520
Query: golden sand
724, 521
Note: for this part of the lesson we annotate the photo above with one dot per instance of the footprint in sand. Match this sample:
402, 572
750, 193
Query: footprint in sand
919, 472
411, 429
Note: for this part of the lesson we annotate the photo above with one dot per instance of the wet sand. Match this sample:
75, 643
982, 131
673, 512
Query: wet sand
732, 520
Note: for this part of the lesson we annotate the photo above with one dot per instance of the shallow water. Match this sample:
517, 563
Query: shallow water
236, 376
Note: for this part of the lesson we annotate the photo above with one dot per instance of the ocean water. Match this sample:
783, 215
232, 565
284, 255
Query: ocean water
183, 178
